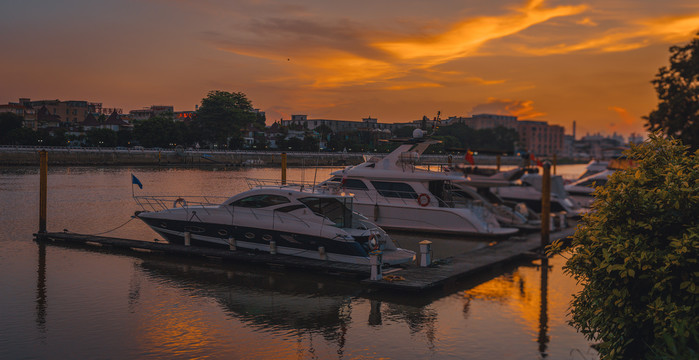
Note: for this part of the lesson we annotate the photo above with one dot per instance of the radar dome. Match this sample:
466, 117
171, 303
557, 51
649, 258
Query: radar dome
417, 134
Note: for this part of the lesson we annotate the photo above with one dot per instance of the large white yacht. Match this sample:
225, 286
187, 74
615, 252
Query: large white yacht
526, 188
396, 194
314, 223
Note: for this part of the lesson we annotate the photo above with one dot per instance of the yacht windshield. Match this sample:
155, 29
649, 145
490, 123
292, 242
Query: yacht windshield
337, 210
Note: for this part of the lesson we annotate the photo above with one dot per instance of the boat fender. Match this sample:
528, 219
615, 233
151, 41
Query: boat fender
373, 243
179, 200
423, 199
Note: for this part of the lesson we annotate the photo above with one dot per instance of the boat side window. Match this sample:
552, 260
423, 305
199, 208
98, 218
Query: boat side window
488, 195
593, 183
395, 189
260, 201
355, 184
331, 208
290, 208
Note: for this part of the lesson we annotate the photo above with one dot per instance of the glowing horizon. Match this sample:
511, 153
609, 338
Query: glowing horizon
587, 61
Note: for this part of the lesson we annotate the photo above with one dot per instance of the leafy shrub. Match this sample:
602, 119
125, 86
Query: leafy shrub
635, 255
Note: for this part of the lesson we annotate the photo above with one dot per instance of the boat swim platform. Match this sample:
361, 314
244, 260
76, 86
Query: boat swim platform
409, 278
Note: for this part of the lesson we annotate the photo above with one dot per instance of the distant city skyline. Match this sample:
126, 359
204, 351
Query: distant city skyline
586, 61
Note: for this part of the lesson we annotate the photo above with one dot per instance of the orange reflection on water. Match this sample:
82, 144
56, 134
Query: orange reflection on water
194, 331
522, 292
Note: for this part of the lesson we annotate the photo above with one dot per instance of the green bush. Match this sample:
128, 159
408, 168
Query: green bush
635, 255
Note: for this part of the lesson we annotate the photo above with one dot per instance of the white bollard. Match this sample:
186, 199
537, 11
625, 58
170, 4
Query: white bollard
187, 238
273, 247
321, 253
562, 219
375, 260
425, 250
231, 243
553, 224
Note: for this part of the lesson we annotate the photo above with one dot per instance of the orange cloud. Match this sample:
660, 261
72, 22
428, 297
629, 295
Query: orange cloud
343, 54
623, 114
465, 37
522, 109
637, 35
587, 22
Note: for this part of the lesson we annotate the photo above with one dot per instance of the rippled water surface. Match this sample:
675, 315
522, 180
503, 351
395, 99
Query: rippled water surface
70, 302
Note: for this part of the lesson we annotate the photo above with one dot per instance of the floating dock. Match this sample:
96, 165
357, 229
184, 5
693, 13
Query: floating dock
446, 270
408, 278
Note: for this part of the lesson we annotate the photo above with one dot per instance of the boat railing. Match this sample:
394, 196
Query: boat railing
410, 198
271, 217
169, 202
193, 203
303, 185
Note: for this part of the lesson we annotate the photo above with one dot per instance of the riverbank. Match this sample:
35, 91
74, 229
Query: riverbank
29, 156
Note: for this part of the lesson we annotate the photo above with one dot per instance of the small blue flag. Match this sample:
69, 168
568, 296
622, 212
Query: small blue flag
134, 180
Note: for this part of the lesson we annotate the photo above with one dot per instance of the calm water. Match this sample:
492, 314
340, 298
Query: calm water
62, 302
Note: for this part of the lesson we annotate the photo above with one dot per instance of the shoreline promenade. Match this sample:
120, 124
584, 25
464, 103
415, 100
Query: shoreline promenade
29, 156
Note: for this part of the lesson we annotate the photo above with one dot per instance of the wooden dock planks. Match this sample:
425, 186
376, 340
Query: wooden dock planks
459, 266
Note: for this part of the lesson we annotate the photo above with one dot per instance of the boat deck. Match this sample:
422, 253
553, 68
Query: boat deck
409, 278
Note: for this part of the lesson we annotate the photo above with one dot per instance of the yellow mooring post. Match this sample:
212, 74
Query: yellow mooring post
43, 169
545, 205
283, 168
497, 162
555, 160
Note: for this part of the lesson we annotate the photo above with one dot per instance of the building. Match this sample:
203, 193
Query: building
114, 122
540, 138
153, 110
26, 112
185, 116
71, 111
489, 121
368, 123
484, 121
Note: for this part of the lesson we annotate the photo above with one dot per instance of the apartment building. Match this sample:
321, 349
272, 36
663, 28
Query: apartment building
71, 111
28, 113
368, 123
540, 138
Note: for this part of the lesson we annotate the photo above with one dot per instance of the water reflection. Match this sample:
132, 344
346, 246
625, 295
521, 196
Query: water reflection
289, 301
267, 300
41, 290
543, 313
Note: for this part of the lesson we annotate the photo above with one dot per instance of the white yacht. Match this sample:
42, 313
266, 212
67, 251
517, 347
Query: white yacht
594, 167
527, 190
314, 223
586, 185
397, 194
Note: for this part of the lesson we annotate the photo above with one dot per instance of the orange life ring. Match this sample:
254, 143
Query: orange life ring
180, 201
423, 199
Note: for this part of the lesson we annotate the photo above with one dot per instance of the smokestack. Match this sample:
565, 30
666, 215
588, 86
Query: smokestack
574, 130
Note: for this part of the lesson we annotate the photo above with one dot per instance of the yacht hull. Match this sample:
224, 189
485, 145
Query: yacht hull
252, 238
429, 220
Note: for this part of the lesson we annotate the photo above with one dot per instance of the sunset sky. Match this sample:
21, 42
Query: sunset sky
558, 61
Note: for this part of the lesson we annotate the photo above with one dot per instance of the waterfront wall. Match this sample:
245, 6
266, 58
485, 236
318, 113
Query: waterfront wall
29, 156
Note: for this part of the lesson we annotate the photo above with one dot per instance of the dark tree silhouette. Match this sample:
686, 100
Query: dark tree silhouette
678, 94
